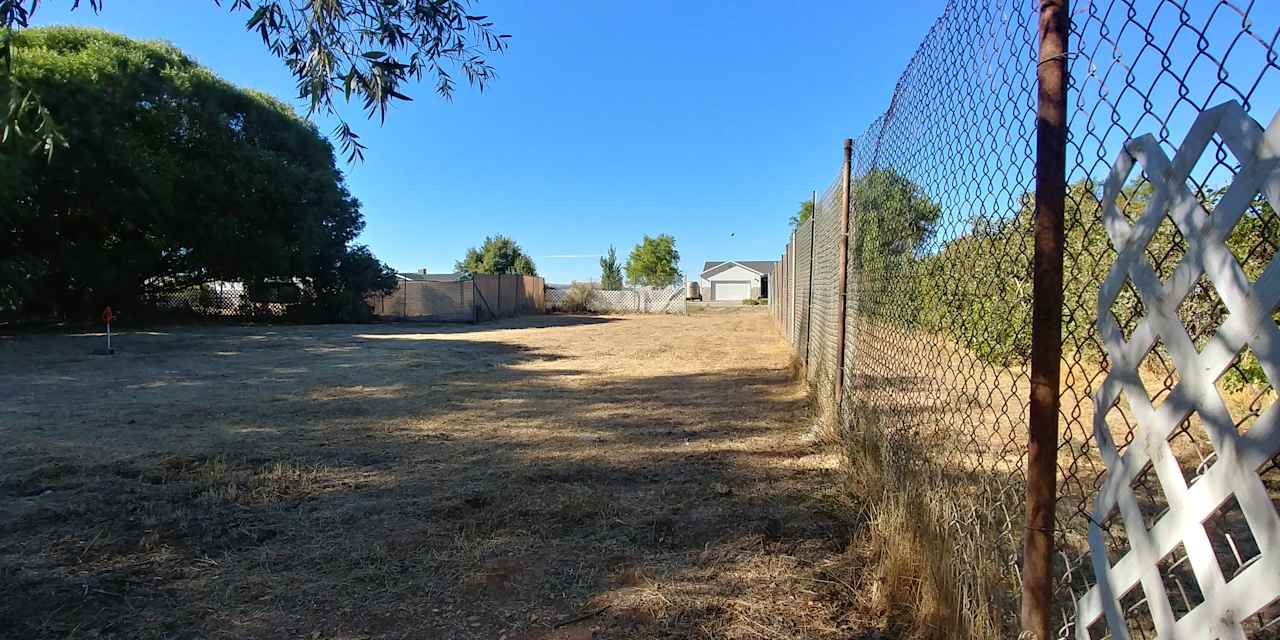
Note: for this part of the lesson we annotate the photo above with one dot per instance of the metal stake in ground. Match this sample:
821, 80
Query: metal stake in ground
106, 317
1046, 321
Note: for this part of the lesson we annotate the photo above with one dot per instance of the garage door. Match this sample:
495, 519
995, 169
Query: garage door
730, 290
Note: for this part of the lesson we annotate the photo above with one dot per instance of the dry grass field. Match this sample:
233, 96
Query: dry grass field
549, 477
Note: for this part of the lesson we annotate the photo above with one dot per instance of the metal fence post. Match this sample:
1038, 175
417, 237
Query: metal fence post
789, 316
1046, 321
808, 295
842, 281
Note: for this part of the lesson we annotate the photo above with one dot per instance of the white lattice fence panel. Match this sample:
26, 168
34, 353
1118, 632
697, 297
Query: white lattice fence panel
642, 300
663, 300
1171, 574
619, 301
556, 298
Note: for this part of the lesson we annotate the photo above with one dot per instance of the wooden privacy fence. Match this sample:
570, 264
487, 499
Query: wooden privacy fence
508, 295
476, 299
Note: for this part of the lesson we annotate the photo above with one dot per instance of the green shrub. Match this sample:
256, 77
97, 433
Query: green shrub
578, 299
976, 288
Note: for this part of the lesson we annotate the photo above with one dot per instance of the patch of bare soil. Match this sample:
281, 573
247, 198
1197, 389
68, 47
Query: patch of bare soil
542, 478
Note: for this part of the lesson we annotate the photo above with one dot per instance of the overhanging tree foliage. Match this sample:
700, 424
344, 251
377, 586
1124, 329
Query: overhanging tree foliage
173, 178
362, 49
654, 262
498, 255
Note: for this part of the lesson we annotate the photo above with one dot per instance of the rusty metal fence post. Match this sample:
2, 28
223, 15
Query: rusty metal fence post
1046, 320
843, 268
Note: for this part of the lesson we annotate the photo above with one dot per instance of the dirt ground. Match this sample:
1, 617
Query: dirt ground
541, 478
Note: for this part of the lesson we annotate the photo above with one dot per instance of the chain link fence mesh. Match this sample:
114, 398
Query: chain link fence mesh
802, 240
478, 298
938, 309
228, 300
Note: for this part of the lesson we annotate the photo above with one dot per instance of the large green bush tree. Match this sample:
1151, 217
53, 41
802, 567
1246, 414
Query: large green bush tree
654, 262
977, 287
498, 255
173, 178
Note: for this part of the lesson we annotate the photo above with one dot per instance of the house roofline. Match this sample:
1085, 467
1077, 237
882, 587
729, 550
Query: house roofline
755, 271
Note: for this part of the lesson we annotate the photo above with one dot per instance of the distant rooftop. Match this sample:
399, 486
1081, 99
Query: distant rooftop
422, 276
763, 266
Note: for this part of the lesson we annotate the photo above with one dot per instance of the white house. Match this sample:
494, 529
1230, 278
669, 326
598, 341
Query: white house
735, 279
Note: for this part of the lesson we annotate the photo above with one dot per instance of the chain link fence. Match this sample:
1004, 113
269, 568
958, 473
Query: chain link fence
225, 300
934, 407
475, 299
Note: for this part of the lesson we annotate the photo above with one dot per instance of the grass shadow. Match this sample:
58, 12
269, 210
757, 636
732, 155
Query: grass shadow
373, 481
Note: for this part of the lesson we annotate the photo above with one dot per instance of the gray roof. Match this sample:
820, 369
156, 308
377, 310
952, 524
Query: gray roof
763, 266
418, 276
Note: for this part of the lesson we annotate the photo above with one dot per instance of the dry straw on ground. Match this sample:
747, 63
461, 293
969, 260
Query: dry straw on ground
935, 458
650, 475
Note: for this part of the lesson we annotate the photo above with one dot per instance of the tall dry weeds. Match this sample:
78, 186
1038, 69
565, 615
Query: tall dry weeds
920, 575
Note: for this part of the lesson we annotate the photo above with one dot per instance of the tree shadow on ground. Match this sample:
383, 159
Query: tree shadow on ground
378, 482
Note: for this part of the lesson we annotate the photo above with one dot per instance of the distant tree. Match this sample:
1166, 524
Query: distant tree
893, 221
893, 216
654, 262
610, 271
498, 255
803, 215
342, 287
174, 178
336, 49
525, 267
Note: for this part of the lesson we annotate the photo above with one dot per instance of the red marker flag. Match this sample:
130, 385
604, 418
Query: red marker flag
106, 317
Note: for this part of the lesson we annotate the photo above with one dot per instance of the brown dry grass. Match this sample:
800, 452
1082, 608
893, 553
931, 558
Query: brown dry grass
935, 446
393, 481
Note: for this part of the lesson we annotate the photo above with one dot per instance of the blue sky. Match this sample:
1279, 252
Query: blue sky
609, 120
